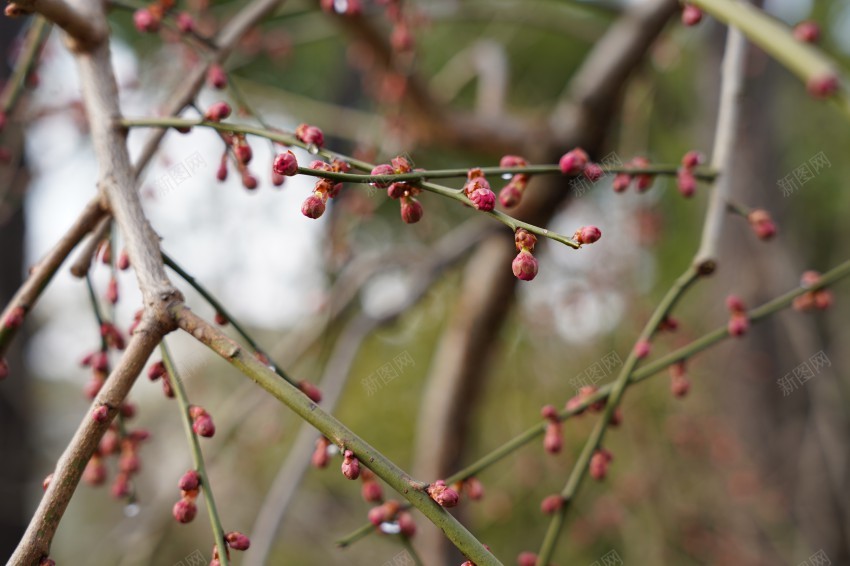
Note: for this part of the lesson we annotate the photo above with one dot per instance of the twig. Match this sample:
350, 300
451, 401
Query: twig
197, 454
85, 33
343, 437
80, 268
36, 37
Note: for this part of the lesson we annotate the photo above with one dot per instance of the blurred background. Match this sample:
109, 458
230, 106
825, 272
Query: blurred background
419, 336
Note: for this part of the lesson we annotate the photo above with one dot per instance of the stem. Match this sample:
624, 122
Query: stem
405, 542
614, 397
338, 433
214, 303
197, 454
36, 37
363, 531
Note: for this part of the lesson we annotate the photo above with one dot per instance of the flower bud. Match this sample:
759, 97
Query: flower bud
474, 488
691, 159
216, 77
112, 291
621, 182
823, 86
145, 21
123, 260
587, 234
551, 504
400, 165
644, 181
734, 304
95, 471
443, 495
350, 465
249, 181
738, 324
483, 198
237, 541
762, 224
184, 511
15, 318
642, 349
411, 210
382, 169
185, 23
398, 190
691, 15
679, 386
383, 513
616, 417
512, 161
510, 195
320, 456
371, 491
45, 483
807, 32
686, 182
285, 164
202, 422
553, 440
156, 370
593, 172
101, 414
526, 559
524, 266
242, 151
573, 162
310, 391
310, 135
549, 413
46, 561
190, 481
313, 207
524, 240
406, 525
599, 463
120, 487
217, 112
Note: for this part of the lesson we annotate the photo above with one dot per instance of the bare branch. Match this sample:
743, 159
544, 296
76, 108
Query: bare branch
84, 34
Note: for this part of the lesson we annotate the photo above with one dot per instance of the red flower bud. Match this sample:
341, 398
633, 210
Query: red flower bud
320, 456
217, 112
184, 511
313, 207
310, 135
156, 370
190, 481
350, 465
808, 32
145, 21
406, 525
551, 504
599, 464
512, 161
285, 164
310, 391
738, 324
679, 386
411, 210
95, 471
642, 349
483, 199
383, 513
398, 190
510, 195
112, 291
549, 413
524, 266
823, 86
100, 414
593, 172
573, 162
686, 182
220, 319
382, 169
371, 491
249, 181
762, 224
691, 15
524, 240
45, 483
443, 495
587, 234
400, 165
692, 159
15, 318
237, 541
474, 489
216, 77
734, 304
185, 23
553, 440
621, 182
644, 181
203, 423
526, 559
123, 260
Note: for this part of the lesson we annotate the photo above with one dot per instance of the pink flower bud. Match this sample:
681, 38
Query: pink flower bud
190, 481
474, 489
573, 162
216, 77
738, 324
350, 465
599, 464
383, 513
553, 440
310, 135
642, 349
510, 195
823, 86
621, 182
185, 23
616, 417
442, 494
156, 370
668, 323
285, 164
679, 386
593, 172
371, 491
411, 210
691, 159
243, 152
524, 266
320, 456
549, 413
587, 234
734, 304
15, 318
526, 559
95, 471
644, 181
203, 426
129, 463
551, 504
313, 206
249, 181
524, 240
112, 291
100, 414
483, 199
691, 15
45, 483
808, 32
217, 112
145, 21
512, 161
184, 511
686, 182
237, 541
401, 39
310, 390
400, 165
382, 169
398, 190
406, 525
762, 224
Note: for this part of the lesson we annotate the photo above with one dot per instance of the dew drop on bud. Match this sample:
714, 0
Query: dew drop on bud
131, 510
313, 149
390, 528
507, 176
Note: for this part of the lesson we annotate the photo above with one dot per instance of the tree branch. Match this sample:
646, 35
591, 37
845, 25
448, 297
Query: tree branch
84, 33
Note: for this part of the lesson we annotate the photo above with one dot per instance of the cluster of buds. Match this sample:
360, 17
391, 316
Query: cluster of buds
321, 455
125, 448
524, 264
807, 32
511, 194
686, 181
679, 382
738, 321
238, 147
478, 191
394, 517
149, 18
202, 422
599, 463
553, 440
310, 135
817, 299
411, 208
314, 205
762, 224
443, 494
185, 509
217, 112
350, 465
691, 15
99, 363
643, 181
370, 489
158, 370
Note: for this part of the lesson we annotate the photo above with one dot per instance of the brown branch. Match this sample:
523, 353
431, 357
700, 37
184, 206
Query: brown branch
83, 262
84, 34
35, 543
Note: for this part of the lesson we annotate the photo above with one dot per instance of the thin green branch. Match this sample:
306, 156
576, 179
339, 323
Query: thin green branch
197, 454
338, 433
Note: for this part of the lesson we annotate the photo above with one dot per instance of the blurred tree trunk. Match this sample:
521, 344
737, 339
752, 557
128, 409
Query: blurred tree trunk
16, 452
